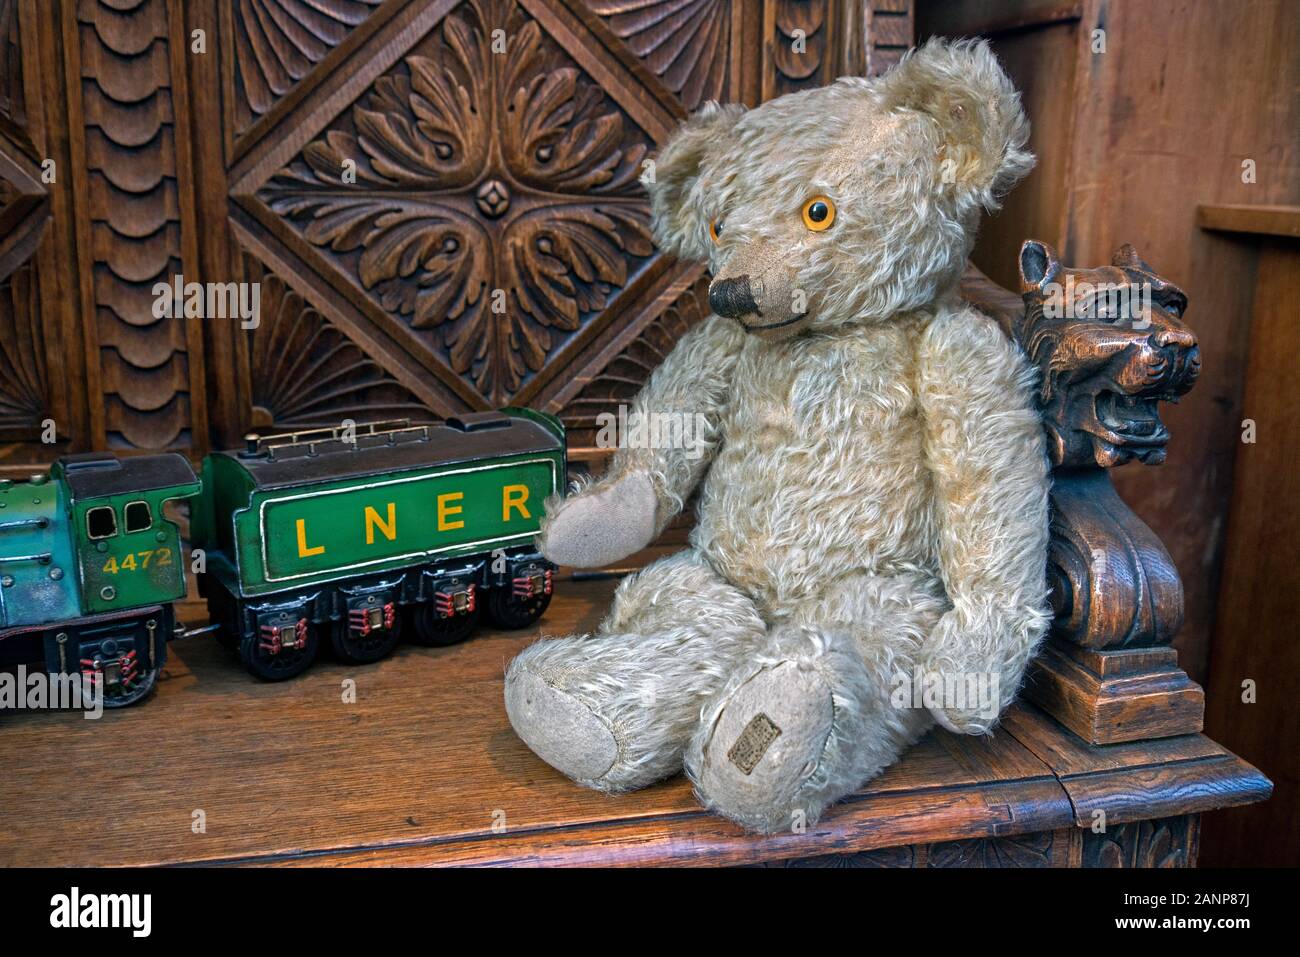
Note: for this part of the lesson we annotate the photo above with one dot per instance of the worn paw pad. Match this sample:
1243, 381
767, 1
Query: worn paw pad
559, 728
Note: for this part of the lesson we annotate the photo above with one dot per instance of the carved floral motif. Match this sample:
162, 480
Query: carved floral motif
489, 200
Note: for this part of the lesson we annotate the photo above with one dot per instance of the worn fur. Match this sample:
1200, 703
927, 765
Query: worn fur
873, 488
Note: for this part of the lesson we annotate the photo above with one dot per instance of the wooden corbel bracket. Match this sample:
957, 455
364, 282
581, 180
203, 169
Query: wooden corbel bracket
1110, 345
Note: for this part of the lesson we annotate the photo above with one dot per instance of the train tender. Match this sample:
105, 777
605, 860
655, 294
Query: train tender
357, 536
90, 567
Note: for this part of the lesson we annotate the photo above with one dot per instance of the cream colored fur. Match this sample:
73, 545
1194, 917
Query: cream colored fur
873, 488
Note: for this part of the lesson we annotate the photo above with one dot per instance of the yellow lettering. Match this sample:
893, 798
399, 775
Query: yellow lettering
445, 510
514, 496
303, 550
373, 521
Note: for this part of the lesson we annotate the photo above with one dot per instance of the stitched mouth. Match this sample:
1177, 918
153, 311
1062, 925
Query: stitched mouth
751, 327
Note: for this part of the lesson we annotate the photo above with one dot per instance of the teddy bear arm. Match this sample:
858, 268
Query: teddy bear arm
985, 448
665, 445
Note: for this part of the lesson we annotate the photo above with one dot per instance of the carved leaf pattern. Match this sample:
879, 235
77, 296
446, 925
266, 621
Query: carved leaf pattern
23, 375
306, 372
477, 172
683, 42
277, 42
1020, 850
1158, 843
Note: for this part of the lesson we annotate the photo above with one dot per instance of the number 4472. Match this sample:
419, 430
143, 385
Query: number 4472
158, 556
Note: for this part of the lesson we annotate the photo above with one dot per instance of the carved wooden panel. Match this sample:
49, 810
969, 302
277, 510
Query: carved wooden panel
1164, 842
685, 43
438, 199
1032, 849
128, 172
305, 372
278, 42
11, 65
496, 207
24, 375
30, 374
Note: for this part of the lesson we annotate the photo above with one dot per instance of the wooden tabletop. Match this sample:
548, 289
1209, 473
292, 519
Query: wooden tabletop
423, 768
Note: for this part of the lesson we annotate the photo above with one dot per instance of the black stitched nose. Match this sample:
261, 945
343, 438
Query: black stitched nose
732, 298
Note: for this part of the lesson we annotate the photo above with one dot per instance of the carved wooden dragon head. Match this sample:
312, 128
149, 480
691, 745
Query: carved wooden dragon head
1111, 345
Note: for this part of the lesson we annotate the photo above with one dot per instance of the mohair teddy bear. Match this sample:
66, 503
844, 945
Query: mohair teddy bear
873, 501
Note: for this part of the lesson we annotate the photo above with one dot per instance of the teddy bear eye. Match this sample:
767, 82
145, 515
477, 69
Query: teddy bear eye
818, 213
715, 229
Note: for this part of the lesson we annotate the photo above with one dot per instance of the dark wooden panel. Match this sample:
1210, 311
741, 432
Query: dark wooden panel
153, 139
1255, 646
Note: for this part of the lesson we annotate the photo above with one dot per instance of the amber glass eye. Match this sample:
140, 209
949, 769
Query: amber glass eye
818, 213
715, 230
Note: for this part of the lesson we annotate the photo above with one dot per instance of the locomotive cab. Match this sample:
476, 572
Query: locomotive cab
91, 566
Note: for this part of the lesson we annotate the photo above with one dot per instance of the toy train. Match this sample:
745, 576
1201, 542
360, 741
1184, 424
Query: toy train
347, 535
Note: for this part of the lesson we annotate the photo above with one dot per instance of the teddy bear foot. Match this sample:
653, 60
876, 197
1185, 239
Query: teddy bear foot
559, 728
766, 741
793, 731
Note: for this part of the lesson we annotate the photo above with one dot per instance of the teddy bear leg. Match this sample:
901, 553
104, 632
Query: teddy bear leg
614, 711
809, 717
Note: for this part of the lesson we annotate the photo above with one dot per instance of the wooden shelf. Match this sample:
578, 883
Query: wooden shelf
1244, 218
424, 764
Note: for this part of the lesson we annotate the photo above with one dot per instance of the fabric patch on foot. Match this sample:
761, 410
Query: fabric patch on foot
753, 743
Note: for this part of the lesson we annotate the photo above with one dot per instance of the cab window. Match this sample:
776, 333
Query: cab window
101, 522
137, 517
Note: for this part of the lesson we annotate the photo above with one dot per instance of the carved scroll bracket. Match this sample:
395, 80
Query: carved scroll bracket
1110, 346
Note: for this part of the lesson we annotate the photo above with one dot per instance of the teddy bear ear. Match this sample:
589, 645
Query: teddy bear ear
961, 87
1039, 266
676, 217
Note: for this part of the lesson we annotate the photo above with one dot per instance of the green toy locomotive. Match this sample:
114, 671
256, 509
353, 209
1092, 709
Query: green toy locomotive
89, 568
346, 535
343, 536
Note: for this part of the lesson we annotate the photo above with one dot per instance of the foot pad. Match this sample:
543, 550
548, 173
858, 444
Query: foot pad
559, 728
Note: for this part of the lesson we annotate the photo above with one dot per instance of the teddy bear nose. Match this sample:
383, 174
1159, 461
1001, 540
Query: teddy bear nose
732, 298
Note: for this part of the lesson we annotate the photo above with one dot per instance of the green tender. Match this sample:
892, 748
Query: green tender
288, 538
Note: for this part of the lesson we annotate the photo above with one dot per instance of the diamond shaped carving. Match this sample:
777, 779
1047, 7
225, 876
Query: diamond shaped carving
483, 192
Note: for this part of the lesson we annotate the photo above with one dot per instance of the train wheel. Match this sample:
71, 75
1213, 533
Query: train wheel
508, 610
363, 649
433, 629
278, 665
140, 689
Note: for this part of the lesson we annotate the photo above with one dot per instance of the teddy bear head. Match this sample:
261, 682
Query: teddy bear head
848, 203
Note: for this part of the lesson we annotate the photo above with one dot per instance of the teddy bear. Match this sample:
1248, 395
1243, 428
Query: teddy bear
872, 515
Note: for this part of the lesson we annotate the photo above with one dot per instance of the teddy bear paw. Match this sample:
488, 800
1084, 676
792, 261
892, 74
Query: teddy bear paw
762, 745
596, 528
559, 728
